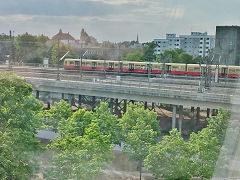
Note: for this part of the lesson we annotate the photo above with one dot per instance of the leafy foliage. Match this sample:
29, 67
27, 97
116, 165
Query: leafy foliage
206, 145
177, 56
59, 112
170, 158
21, 117
140, 129
145, 53
84, 144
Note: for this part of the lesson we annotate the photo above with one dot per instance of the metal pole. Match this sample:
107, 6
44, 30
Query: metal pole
58, 74
81, 68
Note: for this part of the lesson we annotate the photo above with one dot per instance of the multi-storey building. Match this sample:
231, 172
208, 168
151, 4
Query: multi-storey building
196, 44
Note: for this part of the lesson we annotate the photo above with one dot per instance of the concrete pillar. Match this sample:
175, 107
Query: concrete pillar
213, 112
116, 106
124, 106
153, 106
79, 101
70, 99
93, 102
208, 112
145, 105
37, 94
111, 105
48, 105
180, 118
216, 112
192, 117
198, 115
62, 95
174, 110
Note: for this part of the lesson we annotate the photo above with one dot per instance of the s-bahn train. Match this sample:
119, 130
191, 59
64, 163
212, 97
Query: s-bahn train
144, 67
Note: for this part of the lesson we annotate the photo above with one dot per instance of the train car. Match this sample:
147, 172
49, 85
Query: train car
193, 70
131, 66
157, 68
175, 68
233, 72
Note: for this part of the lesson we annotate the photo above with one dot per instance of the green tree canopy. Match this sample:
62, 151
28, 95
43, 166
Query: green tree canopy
176, 56
170, 158
21, 117
84, 144
140, 129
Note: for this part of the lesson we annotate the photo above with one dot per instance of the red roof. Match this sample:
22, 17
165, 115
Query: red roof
62, 36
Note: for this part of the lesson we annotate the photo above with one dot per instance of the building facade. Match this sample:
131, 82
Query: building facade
65, 38
227, 47
196, 44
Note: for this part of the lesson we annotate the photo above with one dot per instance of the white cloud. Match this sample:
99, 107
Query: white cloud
120, 2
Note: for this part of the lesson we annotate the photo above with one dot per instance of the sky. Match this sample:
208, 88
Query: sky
117, 20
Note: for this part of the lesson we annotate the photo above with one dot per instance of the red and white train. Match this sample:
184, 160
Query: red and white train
155, 68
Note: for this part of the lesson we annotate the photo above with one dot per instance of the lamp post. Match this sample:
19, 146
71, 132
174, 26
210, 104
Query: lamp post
82, 55
58, 73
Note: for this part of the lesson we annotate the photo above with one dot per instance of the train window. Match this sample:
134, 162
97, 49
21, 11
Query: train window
237, 71
137, 66
88, 64
196, 69
77, 63
231, 71
143, 67
100, 64
65, 62
190, 69
125, 66
71, 62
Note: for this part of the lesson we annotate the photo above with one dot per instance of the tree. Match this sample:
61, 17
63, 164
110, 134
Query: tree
170, 158
84, 145
176, 56
206, 145
140, 131
135, 55
108, 123
60, 112
21, 117
149, 53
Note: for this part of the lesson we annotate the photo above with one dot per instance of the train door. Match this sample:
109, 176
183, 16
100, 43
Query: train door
120, 66
77, 64
94, 65
224, 72
131, 67
168, 70
111, 66
149, 68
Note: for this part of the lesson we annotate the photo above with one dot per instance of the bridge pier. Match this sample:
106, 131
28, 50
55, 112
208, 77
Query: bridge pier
71, 99
37, 94
198, 115
145, 105
124, 106
180, 119
93, 104
174, 111
79, 101
111, 105
208, 112
63, 96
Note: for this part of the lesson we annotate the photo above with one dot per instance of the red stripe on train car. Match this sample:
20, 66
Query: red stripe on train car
156, 71
193, 73
177, 72
140, 70
234, 75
